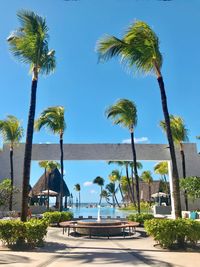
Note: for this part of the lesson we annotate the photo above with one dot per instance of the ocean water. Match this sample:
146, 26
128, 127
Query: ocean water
104, 212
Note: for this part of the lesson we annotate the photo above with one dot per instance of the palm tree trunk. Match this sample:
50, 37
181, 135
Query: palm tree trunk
135, 171
61, 164
48, 185
11, 178
133, 186
184, 173
100, 197
117, 201
149, 194
129, 186
120, 189
175, 177
45, 175
79, 199
28, 151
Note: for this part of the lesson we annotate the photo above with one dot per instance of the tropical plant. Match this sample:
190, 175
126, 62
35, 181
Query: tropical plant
180, 135
147, 178
162, 169
100, 182
130, 190
111, 190
5, 191
77, 187
124, 112
192, 186
139, 48
114, 177
12, 133
105, 194
53, 119
29, 43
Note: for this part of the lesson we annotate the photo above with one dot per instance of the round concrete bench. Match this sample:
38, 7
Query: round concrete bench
107, 230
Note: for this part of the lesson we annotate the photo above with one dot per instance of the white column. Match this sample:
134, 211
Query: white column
171, 188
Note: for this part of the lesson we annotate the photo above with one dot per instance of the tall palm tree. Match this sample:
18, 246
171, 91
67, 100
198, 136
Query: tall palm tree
139, 48
53, 119
77, 187
100, 182
124, 112
12, 133
180, 135
162, 169
147, 178
29, 43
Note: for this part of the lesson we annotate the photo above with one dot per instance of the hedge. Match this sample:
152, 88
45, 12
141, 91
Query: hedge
141, 218
170, 233
14, 231
57, 216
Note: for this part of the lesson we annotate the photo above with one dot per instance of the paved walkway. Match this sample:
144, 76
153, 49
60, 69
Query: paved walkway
61, 250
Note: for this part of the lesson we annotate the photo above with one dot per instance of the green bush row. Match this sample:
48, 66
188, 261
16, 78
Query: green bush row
31, 232
173, 232
141, 218
57, 216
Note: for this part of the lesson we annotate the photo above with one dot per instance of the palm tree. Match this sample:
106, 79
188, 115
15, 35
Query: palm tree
29, 43
105, 194
139, 48
111, 190
100, 182
130, 190
53, 119
124, 112
180, 135
147, 178
114, 177
77, 187
162, 169
12, 133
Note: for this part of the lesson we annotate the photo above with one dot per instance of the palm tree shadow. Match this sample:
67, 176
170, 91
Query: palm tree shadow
52, 247
7, 259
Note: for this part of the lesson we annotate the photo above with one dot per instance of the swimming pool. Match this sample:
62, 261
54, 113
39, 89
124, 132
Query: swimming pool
104, 212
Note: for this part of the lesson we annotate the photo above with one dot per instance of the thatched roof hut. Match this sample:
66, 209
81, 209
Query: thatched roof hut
54, 184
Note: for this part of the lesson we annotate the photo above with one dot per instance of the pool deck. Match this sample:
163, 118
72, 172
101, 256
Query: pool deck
61, 251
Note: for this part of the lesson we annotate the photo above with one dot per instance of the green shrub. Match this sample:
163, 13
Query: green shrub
173, 232
13, 232
144, 207
52, 216
56, 216
141, 218
66, 216
35, 232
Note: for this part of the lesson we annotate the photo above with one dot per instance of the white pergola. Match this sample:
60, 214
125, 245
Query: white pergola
148, 152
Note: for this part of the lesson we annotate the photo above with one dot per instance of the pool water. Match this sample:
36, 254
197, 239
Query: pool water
104, 212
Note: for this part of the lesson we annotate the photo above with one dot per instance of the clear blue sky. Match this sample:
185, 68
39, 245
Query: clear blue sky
86, 88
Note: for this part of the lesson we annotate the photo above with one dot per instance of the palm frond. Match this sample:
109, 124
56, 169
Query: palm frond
123, 112
29, 43
178, 129
11, 130
109, 47
52, 119
138, 48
